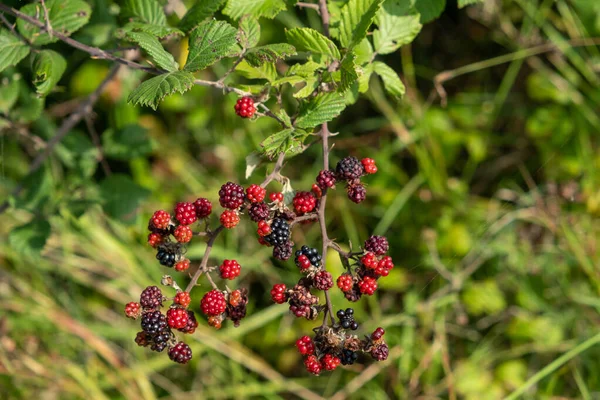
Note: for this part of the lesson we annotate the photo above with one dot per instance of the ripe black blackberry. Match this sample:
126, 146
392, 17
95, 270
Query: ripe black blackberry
357, 192
348, 357
377, 244
231, 195
311, 253
349, 169
280, 233
160, 340
180, 353
346, 318
154, 322
166, 256
283, 252
151, 298
258, 212
237, 313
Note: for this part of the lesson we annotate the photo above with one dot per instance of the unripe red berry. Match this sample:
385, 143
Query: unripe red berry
244, 107
369, 165
215, 321
185, 213
213, 303
154, 239
203, 207
161, 219
183, 299
235, 297
183, 234
345, 282
279, 293
182, 265
177, 318
367, 285
318, 193
330, 362
305, 345
312, 365
303, 262
263, 228
277, 196
378, 333
255, 193
230, 269
133, 310
369, 260
229, 219
304, 202
384, 266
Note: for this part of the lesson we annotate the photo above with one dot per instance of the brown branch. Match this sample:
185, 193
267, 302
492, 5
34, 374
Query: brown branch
66, 127
324, 16
48, 27
275, 173
204, 263
309, 5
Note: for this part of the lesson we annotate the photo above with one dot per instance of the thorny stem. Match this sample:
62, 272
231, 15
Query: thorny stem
204, 263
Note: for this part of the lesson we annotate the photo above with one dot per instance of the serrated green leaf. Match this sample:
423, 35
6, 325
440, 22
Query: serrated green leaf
306, 70
364, 78
30, 239
355, 19
48, 67
391, 81
209, 42
249, 31
398, 25
121, 196
320, 109
198, 13
270, 53
161, 57
307, 39
65, 17
430, 9
364, 52
266, 71
257, 8
292, 80
151, 92
13, 50
348, 73
464, 3
159, 31
9, 90
287, 141
308, 89
147, 11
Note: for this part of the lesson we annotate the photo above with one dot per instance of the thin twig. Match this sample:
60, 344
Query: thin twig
324, 16
48, 27
66, 127
275, 173
309, 5
204, 263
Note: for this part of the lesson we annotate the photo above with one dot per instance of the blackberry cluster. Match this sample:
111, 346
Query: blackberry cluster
311, 254
323, 280
258, 212
326, 179
192, 324
154, 322
348, 357
347, 319
237, 311
377, 244
349, 169
231, 195
301, 300
151, 298
180, 353
166, 256
357, 192
280, 232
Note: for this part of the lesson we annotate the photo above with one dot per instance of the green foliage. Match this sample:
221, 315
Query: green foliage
464, 3
48, 67
198, 13
249, 32
270, 53
150, 43
256, 8
147, 16
65, 17
398, 24
265, 71
307, 39
120, 197
391, 80
13, 50
430, 9
29, 239
320, 109
289, 141
127, 143
153, 91
209, 42
356, 18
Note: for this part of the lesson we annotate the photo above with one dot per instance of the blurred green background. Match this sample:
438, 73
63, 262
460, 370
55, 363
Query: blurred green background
490, 197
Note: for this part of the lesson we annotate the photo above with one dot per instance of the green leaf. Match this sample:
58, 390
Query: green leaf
161, 57
320, 109
270, 53
151, 92
391, 80
266, 71
198, 13
398, 25
9, 90
78, 153
306, 70
209, 42
307, 39
160, 31
464, 3
48, 67
356, 18
65, 17
257, 8
308, 89
364, 52
30, 239
430, 9
124, 144
287, 141
29, 106
364, 78
348, 73
13, 50
147, 11
249, 32
121, 197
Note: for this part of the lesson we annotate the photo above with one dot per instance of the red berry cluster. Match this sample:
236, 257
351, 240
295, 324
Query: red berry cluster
245, 107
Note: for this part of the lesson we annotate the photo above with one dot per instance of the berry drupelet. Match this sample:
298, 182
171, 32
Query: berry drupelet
349, 169
154, 239
183, 234
133, 310
305, 345
378, 245
180, 353
161, 219
231, 195
151, 298
312, 365
192, 323
245, 107
213, 303
182, 265
185, 213
230, 269
367, 285
345, 282
203, 207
